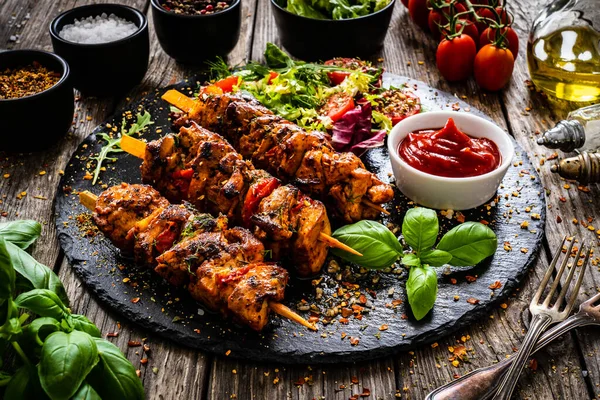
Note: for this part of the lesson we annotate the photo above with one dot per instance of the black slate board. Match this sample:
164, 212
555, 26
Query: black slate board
172, 313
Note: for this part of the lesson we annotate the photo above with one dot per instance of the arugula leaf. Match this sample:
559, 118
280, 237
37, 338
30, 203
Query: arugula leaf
302, 8
469, 244
37, 274
21, 233
435, 258
66, 359
420, 228
113, 144
378, 245
421, 289
277, 58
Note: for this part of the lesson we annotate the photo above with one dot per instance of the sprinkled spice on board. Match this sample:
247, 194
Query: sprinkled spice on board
26, 81
195, 7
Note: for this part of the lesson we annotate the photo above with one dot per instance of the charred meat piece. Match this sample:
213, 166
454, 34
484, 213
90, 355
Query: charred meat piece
120, 208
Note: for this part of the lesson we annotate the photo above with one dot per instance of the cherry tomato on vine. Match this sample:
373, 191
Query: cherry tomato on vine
493, 67
438, 18
470, 30
419, 13
487, 13
455, 57
490, 35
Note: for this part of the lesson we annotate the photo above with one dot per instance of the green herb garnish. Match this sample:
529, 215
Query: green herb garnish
113, 144
465, 245
58, 354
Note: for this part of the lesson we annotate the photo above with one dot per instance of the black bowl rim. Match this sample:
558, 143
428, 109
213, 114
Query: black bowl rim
61, 81
347, 20
143, 26
156, 6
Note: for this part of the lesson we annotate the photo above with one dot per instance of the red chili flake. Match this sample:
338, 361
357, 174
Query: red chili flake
301, 381
135, 300
146, 348
197, 330
372, 293
533, 364
357, 309
112, 334
456, 376
459, 351
228, 352
404, 316
138, 373
354, 380
396, 302
460, 217
584, 189
342, 387
453, 281
563, 199
472, 300
134, 343
495, 285
362, 299
365, 393
358, 317
313, 318
484, 222
343, 334
354, 341
144, 361
470, 278
383, 327
346, 312
552, 156
353, 397
344, 321
558, 219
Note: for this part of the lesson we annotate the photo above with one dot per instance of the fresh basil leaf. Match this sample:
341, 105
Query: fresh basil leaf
7, 273
39, 329
469, 243
38, 275
114, 377
65, 361
411, 260
81, 323
17, 386
378, 245
436, 258
276, 58
420, 228
43, 302
86, 392
9, 318
421, 288
21, 233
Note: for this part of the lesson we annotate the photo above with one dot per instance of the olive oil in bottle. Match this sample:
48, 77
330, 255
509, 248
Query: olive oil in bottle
563, 51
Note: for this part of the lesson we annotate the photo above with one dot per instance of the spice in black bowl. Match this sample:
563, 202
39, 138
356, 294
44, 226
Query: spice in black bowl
26, 81
195, 7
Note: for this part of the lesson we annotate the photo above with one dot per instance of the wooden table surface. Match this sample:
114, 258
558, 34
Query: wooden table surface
568, 369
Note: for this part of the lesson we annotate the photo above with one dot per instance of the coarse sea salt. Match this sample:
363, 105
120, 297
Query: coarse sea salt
100, 29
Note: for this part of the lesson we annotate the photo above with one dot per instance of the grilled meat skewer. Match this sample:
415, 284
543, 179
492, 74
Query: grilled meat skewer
303, 158
201, 167
222, 267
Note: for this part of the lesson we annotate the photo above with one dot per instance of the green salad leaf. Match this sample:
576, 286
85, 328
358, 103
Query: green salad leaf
335, 9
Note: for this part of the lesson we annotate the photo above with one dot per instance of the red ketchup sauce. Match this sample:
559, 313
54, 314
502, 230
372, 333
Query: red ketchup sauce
449, 152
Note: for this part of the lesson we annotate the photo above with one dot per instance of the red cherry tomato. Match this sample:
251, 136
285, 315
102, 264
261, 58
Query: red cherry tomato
438, 18
272, 75
228, 83
454, 58
338, 105
337, 77
398, 104
493, 67
419, 13
512, 40
470, 30
487, 13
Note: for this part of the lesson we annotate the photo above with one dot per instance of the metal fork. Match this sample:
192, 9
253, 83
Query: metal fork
543, 316
482, 383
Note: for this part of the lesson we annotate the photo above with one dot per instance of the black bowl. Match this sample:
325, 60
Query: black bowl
193, 39
35, 122
105, 68
322, 39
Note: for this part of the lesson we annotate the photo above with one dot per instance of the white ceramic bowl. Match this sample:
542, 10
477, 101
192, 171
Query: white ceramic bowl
441, 192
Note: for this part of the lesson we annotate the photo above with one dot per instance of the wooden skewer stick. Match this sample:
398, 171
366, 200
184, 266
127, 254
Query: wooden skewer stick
137, 148
187, 105
88, 200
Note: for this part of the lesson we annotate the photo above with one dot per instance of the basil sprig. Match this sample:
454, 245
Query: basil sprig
58, 355
465, 245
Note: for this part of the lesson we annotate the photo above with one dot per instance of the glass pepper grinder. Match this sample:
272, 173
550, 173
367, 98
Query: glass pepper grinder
581, 131
563, 51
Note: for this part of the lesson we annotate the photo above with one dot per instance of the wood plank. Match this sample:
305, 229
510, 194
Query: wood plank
529, 115
15, 15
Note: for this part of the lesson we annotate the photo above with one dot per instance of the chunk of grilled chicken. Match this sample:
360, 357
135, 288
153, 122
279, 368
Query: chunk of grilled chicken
219, 181
120, 208
221, 267
306, 159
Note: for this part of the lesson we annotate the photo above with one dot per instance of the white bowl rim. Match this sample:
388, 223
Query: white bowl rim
506, 158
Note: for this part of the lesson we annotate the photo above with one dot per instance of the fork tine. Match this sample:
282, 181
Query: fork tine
579, 282
548, 275
567, 283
